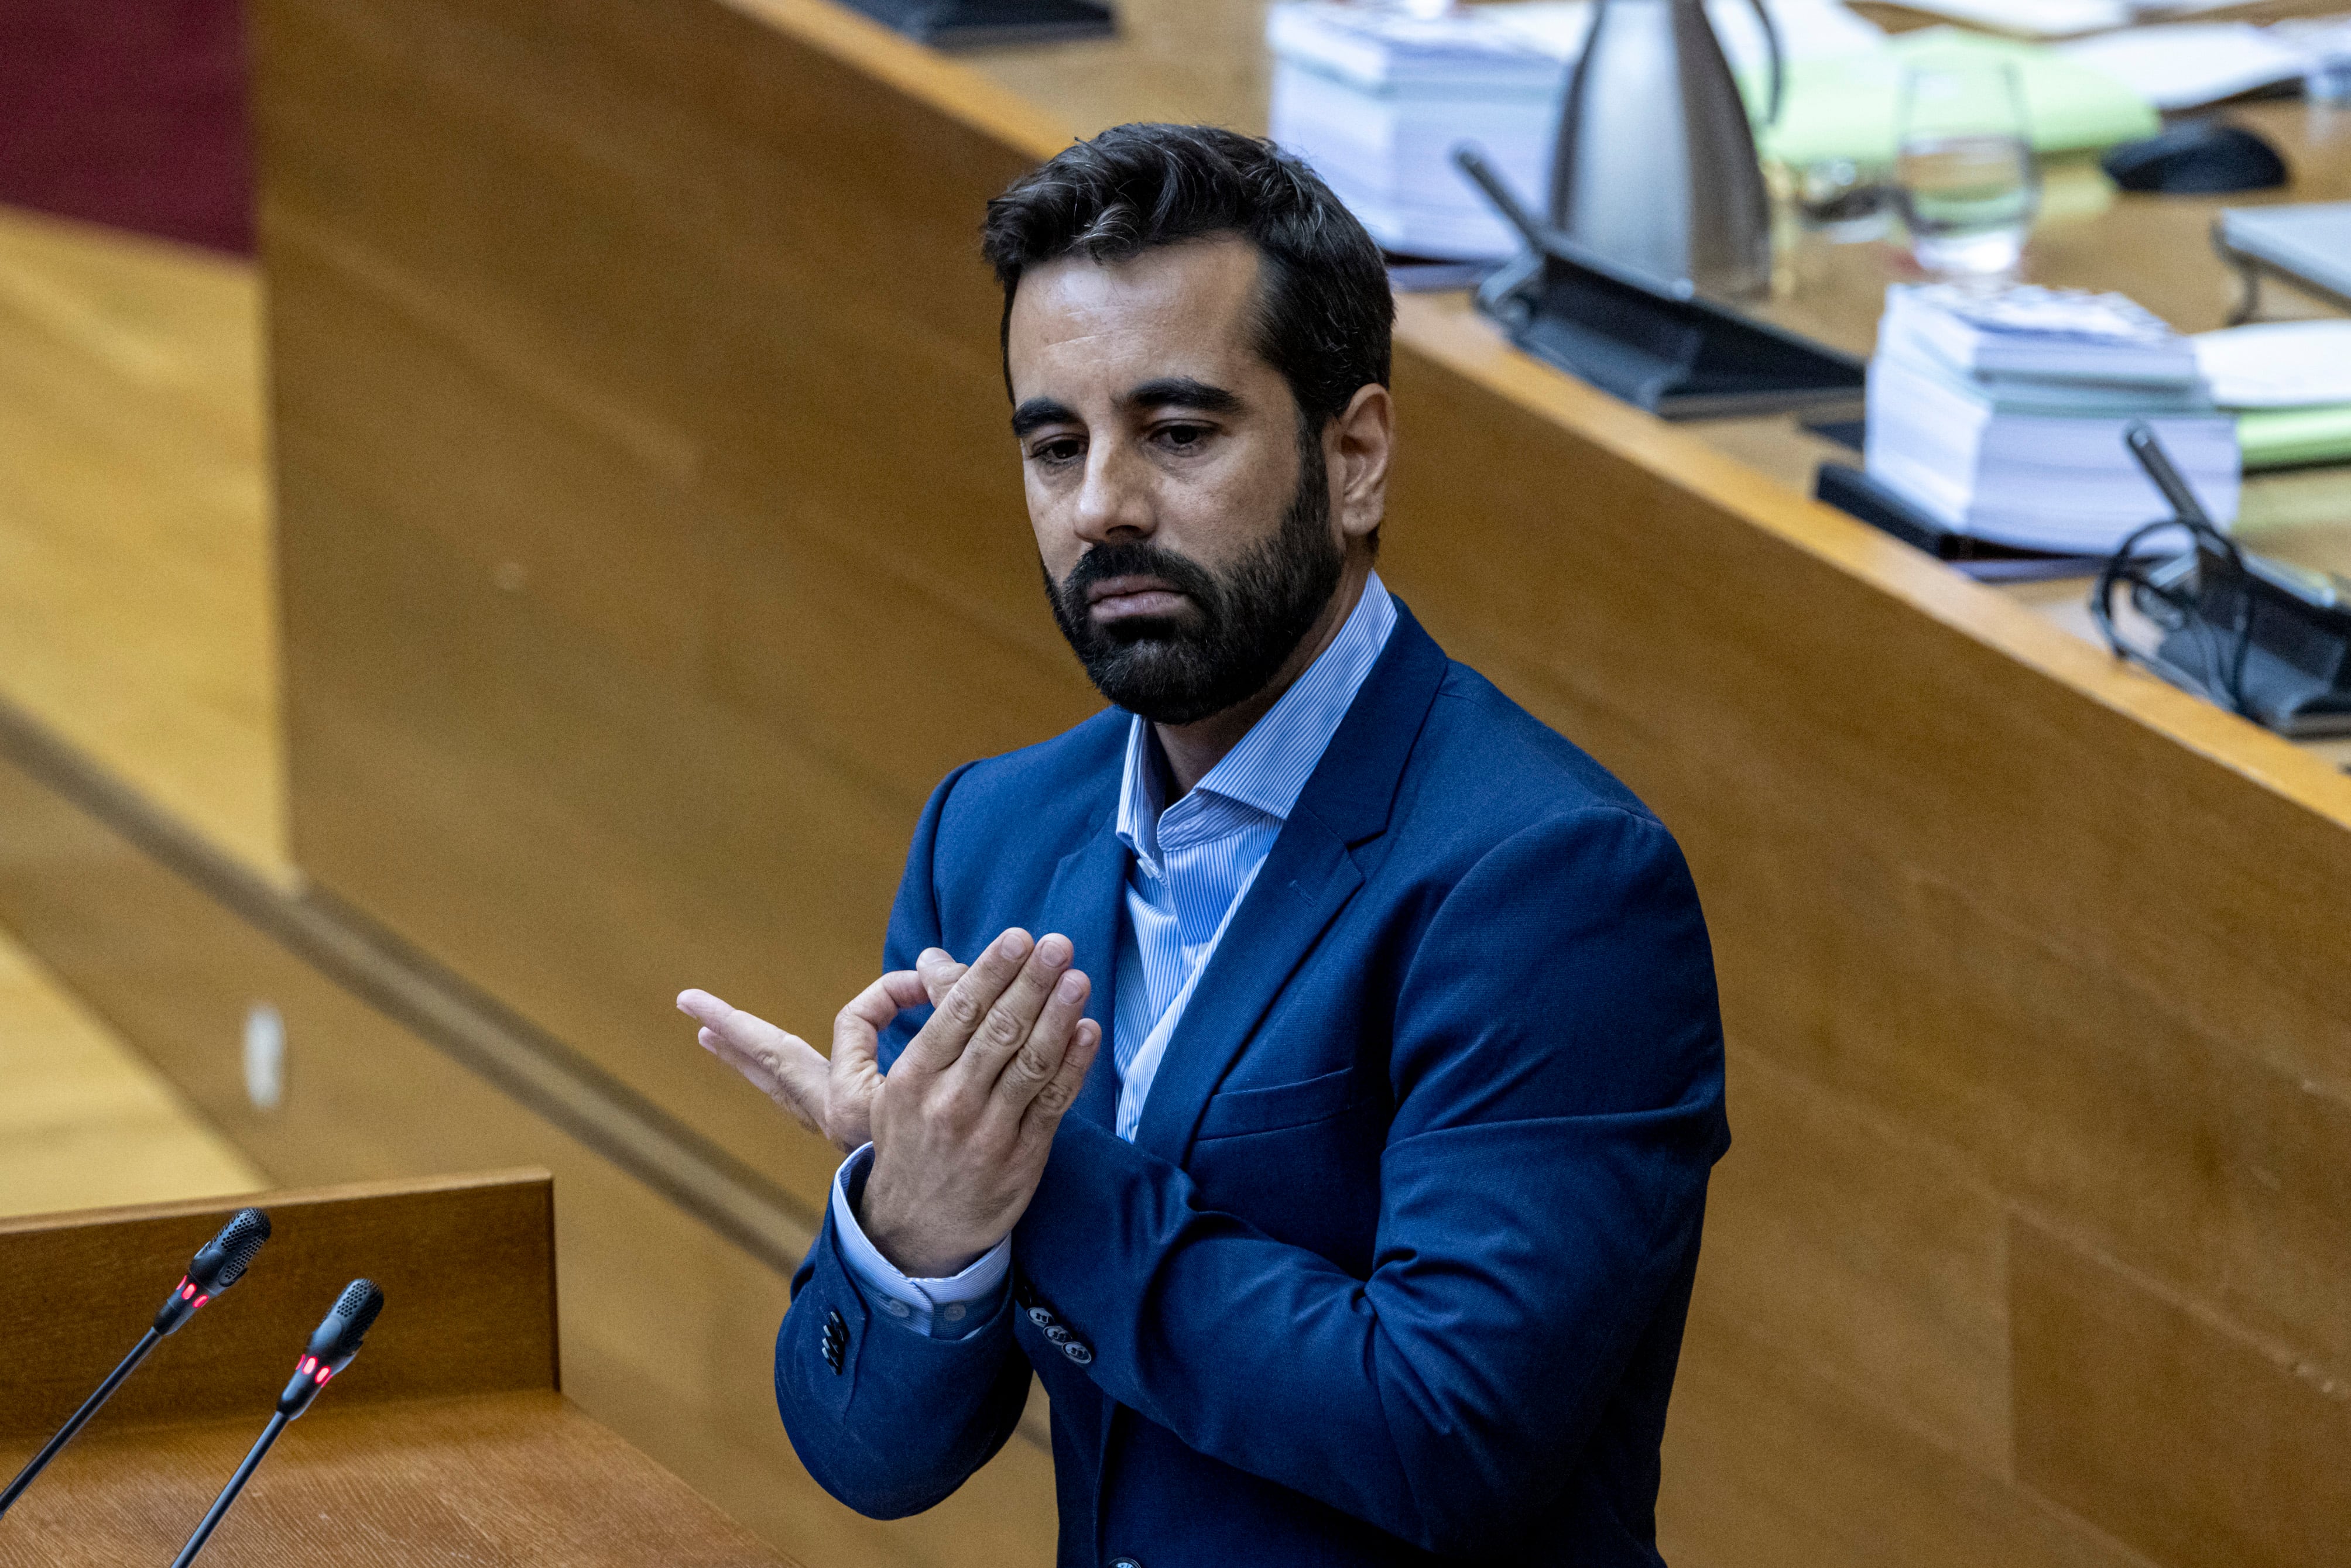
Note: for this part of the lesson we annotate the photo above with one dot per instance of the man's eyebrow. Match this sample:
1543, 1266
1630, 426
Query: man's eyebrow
1183, 391
1037, 414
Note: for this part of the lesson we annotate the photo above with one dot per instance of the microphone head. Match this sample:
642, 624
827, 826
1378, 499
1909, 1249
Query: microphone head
221, 1261
334, 1344
355, 1311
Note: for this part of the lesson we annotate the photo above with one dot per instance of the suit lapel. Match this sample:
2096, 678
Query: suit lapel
1307, 879
1085, 904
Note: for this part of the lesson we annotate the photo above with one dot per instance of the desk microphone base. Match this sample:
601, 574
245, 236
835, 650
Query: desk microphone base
975, 24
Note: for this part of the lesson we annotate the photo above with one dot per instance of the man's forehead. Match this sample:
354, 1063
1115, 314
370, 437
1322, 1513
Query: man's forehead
1195, 298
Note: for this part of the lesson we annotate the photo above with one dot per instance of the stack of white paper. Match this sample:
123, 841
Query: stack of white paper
1376, 99
2002, 415
1376, 95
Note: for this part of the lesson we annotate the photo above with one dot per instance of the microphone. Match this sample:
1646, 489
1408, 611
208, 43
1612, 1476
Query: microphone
336, 1341
332, 1346
219, 1264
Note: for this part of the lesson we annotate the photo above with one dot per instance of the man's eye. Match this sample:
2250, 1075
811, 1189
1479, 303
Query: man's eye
1184, 437
1060, 449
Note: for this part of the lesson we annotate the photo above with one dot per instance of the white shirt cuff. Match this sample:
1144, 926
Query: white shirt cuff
948, 1309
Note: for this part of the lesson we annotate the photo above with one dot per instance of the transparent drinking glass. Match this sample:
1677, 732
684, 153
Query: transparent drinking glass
1964, 167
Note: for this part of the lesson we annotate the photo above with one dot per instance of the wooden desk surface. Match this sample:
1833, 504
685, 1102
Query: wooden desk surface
510, 1479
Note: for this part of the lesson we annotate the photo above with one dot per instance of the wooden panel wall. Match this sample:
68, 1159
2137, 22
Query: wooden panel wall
651, 540
651, 546
2011, 942
667, 1330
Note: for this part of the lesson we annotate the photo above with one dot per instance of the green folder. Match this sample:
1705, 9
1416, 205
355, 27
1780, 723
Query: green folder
2283, 437
1845, 106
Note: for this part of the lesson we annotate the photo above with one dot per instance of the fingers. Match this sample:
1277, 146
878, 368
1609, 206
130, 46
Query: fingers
941, 1041
939, 972
1040, 1057
1009, 1023
1052, 1101
782, 1066
857, 1030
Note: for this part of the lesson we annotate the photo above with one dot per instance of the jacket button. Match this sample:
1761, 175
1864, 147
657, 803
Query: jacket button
1041, 1317
1077, 1353
1124, 1563
1058, 1335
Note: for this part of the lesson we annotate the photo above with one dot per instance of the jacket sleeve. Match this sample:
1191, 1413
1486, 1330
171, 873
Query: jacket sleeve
888, 1421
1557, 1067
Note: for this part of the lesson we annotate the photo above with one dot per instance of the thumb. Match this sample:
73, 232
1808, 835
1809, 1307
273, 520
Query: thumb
939, 972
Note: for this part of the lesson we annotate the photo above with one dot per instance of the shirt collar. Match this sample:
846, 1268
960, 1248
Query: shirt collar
1269, 770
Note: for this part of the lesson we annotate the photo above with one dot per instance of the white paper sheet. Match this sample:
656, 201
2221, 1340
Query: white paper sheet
2190, 63
2278, 364
2031, 18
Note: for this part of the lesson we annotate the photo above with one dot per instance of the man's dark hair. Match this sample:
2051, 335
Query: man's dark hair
1324, 315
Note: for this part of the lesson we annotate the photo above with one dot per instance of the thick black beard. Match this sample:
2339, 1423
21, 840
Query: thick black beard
1241, 629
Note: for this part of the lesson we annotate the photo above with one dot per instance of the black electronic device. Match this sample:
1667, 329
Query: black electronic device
2197, 157
219, 1264
1657, 343
973, 23
2259, 637
332, 1345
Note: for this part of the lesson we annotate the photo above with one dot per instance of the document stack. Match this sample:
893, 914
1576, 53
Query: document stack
2001, 415
1376, 98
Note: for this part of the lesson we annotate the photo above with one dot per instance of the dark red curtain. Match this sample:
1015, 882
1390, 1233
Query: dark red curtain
130, 112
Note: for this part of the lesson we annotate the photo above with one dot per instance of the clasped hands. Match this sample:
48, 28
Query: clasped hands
962, 1125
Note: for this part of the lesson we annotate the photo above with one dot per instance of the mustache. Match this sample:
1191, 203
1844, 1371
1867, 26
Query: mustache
1136, 559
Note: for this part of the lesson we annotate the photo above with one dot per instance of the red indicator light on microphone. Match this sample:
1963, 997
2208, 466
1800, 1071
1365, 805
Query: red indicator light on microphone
324, 1374
187, 1291
310, 1363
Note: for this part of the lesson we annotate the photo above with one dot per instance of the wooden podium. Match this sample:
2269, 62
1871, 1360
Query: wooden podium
447, 1441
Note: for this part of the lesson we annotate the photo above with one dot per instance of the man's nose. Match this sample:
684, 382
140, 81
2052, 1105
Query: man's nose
1113, 499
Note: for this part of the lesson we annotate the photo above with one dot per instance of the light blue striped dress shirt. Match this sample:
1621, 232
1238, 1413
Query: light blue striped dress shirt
1189, 866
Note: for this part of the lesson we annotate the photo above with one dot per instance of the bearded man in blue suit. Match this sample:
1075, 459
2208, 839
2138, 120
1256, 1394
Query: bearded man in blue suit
1370, 1236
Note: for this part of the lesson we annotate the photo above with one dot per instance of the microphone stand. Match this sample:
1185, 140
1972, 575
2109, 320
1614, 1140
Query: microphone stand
229, 1493
331, 1348
78, 1419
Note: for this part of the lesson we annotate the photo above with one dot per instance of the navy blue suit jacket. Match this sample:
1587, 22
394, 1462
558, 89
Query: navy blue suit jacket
1397, 1266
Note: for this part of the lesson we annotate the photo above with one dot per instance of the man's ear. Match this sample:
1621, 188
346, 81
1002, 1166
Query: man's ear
1356, 447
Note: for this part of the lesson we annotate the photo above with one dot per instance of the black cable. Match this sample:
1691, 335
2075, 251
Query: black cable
2222, 678
229, 1493
78, 1419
